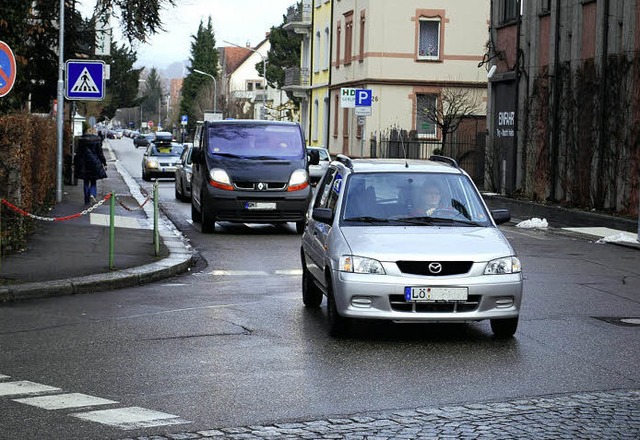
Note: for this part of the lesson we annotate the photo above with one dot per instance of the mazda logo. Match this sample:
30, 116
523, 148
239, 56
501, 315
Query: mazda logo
262, 186
435, 267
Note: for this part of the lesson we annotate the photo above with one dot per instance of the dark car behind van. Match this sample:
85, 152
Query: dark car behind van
249, 171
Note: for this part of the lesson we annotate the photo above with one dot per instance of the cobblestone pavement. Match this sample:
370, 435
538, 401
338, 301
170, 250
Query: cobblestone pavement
596, 415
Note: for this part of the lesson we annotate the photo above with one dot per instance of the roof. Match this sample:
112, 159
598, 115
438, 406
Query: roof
234, 57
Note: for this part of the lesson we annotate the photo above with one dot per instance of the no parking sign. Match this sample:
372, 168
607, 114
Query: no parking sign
7, 69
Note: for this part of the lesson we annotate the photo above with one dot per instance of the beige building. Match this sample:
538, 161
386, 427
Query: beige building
407, 52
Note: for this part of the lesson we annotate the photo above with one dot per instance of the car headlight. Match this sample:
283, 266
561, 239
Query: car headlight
355, 264
152, 164
188, 176
220, 179
298, 180
504, 265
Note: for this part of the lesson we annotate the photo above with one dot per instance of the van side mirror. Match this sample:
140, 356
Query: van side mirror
197, 156
313, 157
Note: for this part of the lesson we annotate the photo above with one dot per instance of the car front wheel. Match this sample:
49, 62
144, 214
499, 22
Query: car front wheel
338, 324
504, 328
311, 294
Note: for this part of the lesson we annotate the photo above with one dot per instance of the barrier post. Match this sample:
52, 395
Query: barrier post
112, 228
156, 237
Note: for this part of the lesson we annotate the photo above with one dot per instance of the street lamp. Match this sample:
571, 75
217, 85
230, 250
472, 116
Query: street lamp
141, 81
215, 88
264, 72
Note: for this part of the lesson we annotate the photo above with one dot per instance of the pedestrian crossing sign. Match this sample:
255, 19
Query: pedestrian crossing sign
84, 80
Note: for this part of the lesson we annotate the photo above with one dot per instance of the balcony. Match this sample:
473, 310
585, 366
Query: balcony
299, 17
296, 80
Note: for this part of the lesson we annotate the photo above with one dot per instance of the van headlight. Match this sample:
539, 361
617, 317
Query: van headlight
355, 264
503, 265
299, 180
220, 179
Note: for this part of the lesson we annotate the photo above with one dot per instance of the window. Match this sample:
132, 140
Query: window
327, 48
348, 37
338, 36
316, 111
336, 106
425, 125
362, 23
316, 53
508, 11
429, 43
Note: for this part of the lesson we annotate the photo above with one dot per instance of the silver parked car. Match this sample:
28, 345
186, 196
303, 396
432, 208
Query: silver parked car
317, 171
161, 157
407, 241
184, 173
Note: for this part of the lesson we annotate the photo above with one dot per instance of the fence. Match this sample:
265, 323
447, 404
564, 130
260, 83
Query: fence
467, 147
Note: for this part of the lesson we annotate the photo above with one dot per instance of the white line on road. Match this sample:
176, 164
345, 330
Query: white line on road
2, 377
255, 273
289, 272
64, 401
24, 387
131, 418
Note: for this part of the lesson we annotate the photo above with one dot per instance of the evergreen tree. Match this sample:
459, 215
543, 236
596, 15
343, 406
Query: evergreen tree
139, 18
153, 93
204, 57
284, 53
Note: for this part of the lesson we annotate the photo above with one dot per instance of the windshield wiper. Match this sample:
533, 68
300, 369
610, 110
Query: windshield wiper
228, 155
367, 219
431, 220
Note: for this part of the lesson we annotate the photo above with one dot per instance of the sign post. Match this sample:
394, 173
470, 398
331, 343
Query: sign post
362, 101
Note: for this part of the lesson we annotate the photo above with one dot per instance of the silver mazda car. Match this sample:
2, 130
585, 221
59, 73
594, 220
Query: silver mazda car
409, 241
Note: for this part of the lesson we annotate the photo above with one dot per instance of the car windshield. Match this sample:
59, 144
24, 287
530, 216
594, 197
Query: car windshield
161, 149
256, 141
412, 199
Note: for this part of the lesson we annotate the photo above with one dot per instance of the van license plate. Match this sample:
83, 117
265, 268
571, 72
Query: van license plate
435, 293
260, 205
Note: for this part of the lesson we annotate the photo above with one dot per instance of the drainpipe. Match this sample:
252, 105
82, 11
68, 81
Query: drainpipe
602, 143
514, 179
555, 130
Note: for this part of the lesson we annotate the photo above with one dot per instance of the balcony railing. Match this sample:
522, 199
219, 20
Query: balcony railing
296, 76
299, 16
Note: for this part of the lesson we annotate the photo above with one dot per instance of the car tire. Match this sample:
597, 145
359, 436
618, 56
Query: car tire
195, 214
208, 224
178, 195
300, 226
311, 294
504, 328
145, 176
338, 325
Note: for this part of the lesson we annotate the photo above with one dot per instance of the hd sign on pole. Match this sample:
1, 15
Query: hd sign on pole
7, 69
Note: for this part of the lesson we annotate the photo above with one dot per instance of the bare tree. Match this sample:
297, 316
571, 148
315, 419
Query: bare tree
448, 109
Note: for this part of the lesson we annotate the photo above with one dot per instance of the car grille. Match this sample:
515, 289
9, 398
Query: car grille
261, 186
399, 304
422, 267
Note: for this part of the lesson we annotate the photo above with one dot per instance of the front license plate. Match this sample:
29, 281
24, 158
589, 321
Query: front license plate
436, 293
260, 205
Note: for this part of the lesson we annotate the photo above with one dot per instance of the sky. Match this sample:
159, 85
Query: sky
236, 21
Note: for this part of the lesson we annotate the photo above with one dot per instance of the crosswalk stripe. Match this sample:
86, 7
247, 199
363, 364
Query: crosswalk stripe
24, 387
64, 401
131, 418
255, 273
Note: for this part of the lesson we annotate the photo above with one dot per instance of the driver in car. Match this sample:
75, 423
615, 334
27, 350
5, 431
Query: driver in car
430, 200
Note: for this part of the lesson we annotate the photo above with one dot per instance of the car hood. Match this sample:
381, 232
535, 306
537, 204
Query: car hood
392, 243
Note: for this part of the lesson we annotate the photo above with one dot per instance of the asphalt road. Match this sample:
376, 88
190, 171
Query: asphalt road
230, 343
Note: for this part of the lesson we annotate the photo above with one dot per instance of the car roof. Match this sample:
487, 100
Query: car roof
398, 165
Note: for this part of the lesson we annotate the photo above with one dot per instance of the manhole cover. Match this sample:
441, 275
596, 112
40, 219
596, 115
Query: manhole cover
625, 322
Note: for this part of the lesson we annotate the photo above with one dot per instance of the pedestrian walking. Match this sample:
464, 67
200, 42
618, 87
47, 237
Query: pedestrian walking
90, 164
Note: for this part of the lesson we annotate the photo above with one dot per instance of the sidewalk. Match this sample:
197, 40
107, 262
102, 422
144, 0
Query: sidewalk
72, 256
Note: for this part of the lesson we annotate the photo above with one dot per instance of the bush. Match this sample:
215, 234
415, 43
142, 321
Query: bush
27, 174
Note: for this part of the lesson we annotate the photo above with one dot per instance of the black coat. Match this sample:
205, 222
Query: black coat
90, 160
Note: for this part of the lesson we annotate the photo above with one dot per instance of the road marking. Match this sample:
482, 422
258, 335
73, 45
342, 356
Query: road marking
131, 418
257, 273
2, 377
64, 401
289, 272
599, 232
119, 221
24, 387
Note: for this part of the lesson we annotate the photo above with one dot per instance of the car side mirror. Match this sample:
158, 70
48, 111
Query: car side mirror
323, 215
197, 156
501, 216
313, 157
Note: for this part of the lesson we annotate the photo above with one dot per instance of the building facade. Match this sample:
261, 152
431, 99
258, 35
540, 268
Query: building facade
564, 105
408, 53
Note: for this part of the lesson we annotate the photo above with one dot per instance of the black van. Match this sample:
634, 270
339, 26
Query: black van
249, 171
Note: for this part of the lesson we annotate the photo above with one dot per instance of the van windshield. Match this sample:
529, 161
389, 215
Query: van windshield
256, 141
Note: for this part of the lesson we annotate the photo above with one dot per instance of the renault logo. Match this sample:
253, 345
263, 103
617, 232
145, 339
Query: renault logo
262, 186
435, 267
